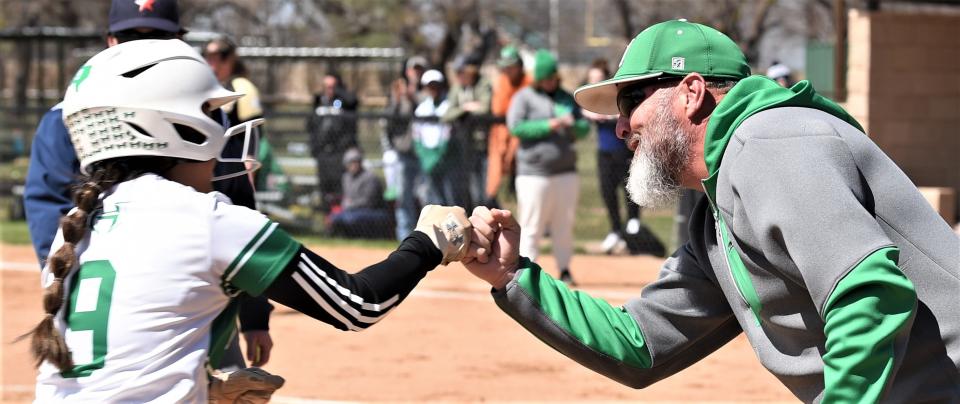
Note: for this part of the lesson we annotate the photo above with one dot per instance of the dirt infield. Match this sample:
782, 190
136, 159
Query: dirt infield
447, 342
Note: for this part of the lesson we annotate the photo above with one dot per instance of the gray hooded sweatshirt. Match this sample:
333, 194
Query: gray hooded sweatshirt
814, 244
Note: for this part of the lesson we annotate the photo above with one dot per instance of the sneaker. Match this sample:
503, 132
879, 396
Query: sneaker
565, 277
633, 226
610, 242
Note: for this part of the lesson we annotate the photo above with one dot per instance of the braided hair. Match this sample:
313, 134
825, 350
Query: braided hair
46, 342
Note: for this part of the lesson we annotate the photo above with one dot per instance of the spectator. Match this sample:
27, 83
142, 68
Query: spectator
613, 164
501, 147
333, 130
548, 122
415, 67
364, 213
401, 166
437, 154
221, 55
780, 73
469, 101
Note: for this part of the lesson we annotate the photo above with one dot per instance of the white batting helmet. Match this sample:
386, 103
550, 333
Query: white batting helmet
147, 98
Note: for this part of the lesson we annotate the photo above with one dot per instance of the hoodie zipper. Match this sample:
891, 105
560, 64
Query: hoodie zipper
735, 265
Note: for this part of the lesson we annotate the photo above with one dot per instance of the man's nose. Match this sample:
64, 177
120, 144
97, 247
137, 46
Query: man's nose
623, 127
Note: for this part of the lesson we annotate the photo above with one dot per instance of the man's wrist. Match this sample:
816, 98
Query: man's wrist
502, 282
508, 275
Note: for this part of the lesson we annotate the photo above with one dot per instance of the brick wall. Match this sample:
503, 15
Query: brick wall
904, 87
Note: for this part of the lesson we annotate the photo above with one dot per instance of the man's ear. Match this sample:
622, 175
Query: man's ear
112, 41
693, 88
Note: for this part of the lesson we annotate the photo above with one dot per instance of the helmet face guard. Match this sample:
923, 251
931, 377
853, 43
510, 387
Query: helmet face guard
248, 154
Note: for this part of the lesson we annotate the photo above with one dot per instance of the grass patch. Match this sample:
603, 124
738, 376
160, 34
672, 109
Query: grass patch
14, 232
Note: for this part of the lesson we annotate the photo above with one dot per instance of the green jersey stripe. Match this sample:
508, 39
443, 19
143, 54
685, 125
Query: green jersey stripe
594, 322
265, 261
248, 250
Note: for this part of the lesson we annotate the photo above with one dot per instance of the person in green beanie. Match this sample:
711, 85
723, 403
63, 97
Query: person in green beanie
809, 240
547, 121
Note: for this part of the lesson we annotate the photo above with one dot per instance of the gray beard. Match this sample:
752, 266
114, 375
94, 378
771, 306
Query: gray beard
663, 152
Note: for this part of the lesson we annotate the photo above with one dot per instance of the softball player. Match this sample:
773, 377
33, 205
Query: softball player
138, 289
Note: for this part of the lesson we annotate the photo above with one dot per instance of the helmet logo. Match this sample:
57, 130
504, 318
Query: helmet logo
144, 4
81, 75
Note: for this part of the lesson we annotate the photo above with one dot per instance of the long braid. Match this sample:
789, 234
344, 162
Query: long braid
46, 342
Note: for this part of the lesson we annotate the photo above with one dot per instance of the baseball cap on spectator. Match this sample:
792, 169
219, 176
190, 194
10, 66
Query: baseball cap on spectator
352, 154
431, 76
509, 56
464, 62
160, 15
670, 48
417, 61
778, 70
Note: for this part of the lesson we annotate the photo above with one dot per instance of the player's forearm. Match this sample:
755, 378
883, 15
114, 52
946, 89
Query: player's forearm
314, 286
866, 315
254, 313
586, 329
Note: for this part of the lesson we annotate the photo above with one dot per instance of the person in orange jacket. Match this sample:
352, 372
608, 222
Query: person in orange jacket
502, 148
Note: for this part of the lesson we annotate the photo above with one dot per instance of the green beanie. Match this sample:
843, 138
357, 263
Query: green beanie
544, 65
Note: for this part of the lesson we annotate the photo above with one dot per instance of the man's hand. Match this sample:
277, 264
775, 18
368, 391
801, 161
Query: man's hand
472, 106
495, 254
245, 386
448, 228
259, 345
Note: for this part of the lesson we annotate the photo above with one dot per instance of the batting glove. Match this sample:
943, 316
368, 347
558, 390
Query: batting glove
448, 228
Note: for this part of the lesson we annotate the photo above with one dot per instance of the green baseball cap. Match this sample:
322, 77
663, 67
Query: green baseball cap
670, 48
509, 56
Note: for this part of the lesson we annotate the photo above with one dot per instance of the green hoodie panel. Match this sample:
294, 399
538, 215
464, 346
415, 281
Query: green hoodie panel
871, 306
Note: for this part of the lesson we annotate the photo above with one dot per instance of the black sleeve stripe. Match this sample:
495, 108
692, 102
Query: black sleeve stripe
333, 299
346, 292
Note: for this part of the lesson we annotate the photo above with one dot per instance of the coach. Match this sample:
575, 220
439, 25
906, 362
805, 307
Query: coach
810, 240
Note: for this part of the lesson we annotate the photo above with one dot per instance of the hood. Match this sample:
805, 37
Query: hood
751, 95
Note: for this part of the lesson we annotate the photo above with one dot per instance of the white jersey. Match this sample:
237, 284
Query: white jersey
152, 280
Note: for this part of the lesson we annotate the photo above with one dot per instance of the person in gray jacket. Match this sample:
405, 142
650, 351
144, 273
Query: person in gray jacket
548, 122
809, 240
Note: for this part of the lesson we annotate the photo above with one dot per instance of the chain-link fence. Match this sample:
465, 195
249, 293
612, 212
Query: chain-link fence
361, 174
403, 168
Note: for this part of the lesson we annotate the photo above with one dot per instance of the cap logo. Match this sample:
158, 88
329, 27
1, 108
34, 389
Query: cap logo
144, 4
677, 63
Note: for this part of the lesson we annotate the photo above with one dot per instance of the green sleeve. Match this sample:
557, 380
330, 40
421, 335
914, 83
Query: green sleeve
591, 321
581, 128
262, 260
870, 307
531, 129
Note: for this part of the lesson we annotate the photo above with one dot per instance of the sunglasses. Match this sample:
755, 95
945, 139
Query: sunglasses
630, 97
